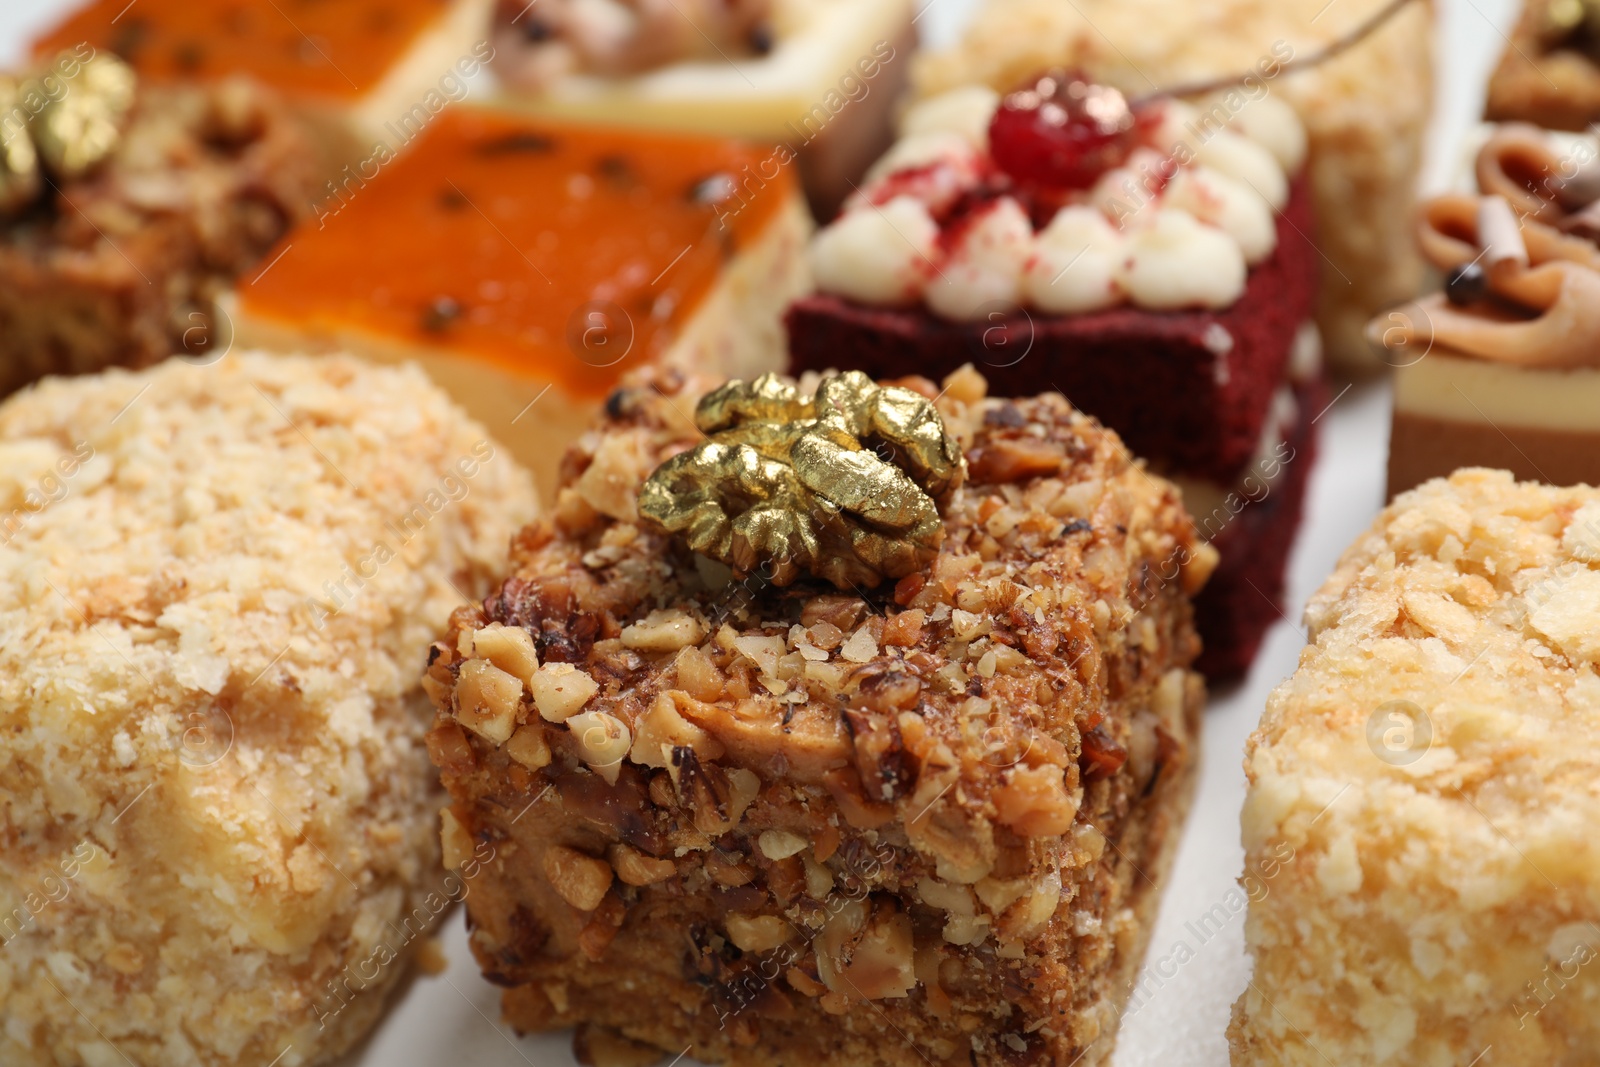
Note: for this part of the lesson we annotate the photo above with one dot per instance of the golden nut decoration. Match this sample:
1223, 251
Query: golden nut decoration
19, 163
76, 130
845, 485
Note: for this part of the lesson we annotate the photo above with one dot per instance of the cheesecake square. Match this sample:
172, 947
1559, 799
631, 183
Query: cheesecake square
1425, 784
119, 260
844, 821
537, 264
819, 80
360, 72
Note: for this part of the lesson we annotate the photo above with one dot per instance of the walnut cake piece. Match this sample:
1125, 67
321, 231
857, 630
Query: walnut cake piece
886, 768
1431, 767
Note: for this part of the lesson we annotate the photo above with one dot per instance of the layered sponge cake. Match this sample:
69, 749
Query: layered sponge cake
1431, 766
216, 585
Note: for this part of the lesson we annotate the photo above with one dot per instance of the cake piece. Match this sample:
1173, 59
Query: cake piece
818, 78
1145, 260
1548, 74
1365, 110
361, 72
126, 208
1430, 774
215, 587
538, 263
896, 784
1502, 369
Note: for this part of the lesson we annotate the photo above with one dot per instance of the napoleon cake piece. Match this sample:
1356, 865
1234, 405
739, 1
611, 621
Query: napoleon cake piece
1365, 109
1549, 74
1431, 768
215, 586
537, 264
917, 810
1502, 369
361, 71
818, 78
1147, 261
126, 208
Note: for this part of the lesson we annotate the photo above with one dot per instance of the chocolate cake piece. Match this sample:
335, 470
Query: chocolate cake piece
1253, 529
919, 821
1187, 389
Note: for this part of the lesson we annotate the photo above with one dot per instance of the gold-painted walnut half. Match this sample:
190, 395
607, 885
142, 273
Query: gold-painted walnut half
77, 129
61, 124
846, 484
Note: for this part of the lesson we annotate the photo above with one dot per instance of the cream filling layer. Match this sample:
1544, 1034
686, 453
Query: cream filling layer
1462, 389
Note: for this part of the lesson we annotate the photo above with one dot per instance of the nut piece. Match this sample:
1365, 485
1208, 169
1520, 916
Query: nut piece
635, 868
758, 933
581, 880
872, 959
560, 691
529, 747
663, 631
508, 647
663, 728
487, 699
603, 742
780, 844
455, 843
76, 130
796, 483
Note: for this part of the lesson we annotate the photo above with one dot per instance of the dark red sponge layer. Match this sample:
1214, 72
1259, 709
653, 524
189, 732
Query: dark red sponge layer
1188, 390
1245, 595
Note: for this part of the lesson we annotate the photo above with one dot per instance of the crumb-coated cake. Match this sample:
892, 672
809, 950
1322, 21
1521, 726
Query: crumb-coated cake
1148, 258
126, 208
818, 80
887, 769
216, 585
1365, 109
1502, 368
1432, 768
1549, 73
540, 262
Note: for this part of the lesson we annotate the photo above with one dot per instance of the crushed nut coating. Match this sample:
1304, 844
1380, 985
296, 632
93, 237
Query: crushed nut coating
893, 827
789, 484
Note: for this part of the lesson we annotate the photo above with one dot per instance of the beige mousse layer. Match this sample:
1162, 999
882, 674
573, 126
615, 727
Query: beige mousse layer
1452, 412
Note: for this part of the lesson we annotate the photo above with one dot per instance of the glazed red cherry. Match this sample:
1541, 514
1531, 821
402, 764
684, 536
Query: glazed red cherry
1062, 132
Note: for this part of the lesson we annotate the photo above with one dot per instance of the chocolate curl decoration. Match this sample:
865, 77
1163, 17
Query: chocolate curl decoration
845, 485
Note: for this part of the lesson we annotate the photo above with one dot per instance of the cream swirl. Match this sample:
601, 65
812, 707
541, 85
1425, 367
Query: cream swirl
1176, 224
1541, 283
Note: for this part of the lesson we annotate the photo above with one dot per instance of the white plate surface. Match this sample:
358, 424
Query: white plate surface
454, 1018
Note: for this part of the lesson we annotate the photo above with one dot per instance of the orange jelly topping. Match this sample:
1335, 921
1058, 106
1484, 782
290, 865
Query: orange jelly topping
546, 249
333, 48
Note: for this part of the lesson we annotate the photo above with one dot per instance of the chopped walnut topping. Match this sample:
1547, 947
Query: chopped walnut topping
664, 631
455, 843
529, 747
581, 880
560, 691
758, 933
487, 699
603, 741
510, 648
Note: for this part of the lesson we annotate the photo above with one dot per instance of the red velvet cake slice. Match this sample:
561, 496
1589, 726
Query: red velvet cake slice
1149, 259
